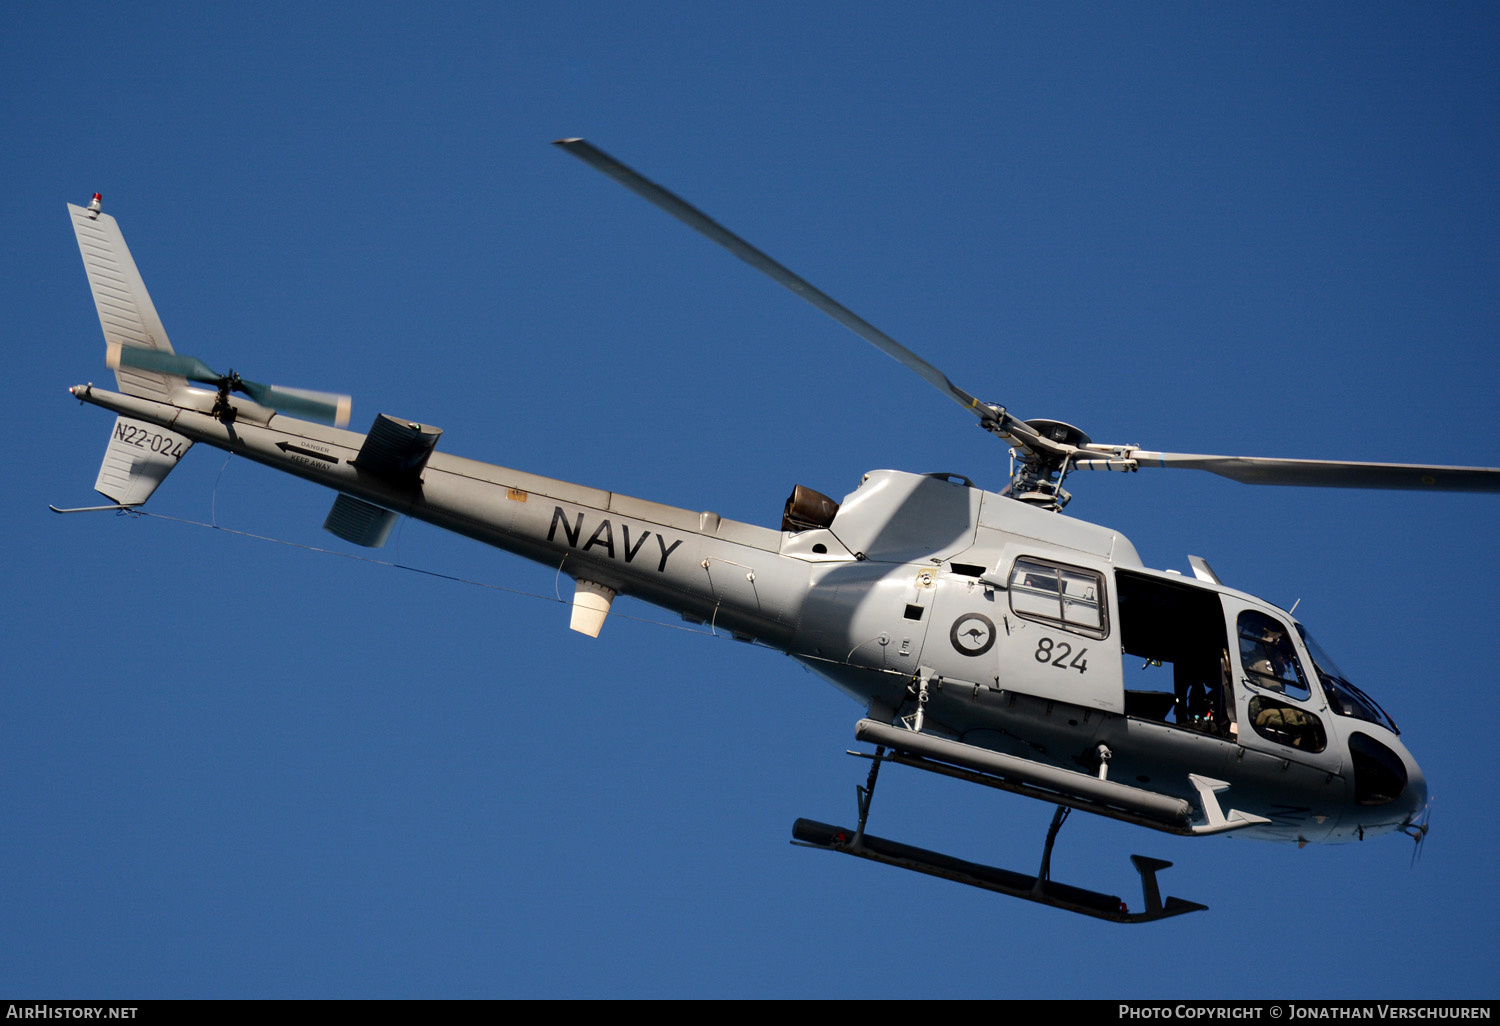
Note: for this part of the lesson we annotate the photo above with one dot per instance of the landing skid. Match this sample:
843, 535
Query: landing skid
1040, 888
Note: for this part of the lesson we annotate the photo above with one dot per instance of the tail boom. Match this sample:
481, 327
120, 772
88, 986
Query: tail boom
697, 564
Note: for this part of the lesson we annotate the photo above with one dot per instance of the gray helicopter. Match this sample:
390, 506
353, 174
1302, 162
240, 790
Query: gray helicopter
983, 633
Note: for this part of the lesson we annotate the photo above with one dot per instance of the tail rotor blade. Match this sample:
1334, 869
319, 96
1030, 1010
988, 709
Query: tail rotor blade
159, 361
328, 407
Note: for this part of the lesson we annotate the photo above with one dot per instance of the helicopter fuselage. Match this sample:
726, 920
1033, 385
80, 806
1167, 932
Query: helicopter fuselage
976, 618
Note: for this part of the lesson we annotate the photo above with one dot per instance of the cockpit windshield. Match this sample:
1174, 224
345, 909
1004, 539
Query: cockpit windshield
1343, 697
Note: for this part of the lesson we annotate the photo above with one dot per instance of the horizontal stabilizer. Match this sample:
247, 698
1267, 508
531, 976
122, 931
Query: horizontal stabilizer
396, 449
139, 457
360, 522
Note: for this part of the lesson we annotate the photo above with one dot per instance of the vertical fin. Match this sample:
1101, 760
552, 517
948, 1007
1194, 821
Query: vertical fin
126, 312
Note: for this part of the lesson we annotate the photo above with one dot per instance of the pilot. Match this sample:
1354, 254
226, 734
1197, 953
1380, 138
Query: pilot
1265, 652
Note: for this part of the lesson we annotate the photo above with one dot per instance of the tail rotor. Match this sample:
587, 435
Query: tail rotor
327, 407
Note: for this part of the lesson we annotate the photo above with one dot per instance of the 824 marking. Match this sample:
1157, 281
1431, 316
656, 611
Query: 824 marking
1046, 647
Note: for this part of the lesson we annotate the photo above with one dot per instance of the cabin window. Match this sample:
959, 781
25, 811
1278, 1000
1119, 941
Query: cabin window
1065, 596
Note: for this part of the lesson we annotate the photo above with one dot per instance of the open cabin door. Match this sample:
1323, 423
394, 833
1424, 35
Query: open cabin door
1175, 654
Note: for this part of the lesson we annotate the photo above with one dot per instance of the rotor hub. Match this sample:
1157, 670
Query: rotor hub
1060, 432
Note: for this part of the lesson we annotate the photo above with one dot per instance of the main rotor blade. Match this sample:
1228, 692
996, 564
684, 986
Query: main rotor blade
993, 418
1314, 473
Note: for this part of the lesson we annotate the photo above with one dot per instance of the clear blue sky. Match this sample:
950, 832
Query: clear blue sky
235, 768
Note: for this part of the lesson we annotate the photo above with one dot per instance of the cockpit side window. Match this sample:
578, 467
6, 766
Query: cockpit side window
1267, 654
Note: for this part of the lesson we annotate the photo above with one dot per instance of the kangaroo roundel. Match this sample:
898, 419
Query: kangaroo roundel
973, 634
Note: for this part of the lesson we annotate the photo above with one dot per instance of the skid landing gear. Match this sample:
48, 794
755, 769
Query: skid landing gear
1040, 888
